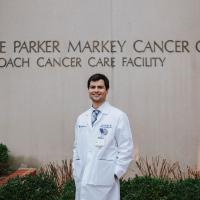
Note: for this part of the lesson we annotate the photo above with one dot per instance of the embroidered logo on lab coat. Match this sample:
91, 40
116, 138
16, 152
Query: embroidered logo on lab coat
106, 126
103, 131
82, 126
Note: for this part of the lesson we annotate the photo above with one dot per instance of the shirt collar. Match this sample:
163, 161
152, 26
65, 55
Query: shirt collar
102, 108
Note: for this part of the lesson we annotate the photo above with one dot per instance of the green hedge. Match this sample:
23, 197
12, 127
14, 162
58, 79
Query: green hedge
147, 188
42, 187
68, 191
4, 157
39, 187
188, 189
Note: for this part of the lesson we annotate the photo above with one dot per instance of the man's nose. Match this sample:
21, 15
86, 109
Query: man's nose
96, 89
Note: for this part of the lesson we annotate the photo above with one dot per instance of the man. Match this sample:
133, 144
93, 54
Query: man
103, 146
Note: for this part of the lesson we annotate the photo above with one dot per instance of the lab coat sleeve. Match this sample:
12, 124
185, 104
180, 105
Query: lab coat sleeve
75, 154
124, 146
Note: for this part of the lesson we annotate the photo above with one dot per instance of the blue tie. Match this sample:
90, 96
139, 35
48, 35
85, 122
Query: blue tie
94, 116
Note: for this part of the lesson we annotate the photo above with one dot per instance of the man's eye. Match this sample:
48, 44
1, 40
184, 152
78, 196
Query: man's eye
99, 87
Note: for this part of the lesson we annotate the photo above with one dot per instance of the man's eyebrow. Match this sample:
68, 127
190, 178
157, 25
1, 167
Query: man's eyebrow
99, 86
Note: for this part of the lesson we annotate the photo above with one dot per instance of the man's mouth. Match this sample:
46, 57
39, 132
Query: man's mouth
96, 95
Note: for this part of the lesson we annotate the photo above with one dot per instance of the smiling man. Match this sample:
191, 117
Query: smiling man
103, 146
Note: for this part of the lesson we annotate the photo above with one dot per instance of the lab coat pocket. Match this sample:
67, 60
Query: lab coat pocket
104, 172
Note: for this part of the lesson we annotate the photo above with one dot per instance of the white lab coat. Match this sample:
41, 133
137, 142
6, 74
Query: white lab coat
94, 166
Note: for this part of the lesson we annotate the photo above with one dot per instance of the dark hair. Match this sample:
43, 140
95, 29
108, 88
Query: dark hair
96, 77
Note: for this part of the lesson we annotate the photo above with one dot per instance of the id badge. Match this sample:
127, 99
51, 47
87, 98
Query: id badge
100, 142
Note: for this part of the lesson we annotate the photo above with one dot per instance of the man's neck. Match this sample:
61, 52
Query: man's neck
96, 105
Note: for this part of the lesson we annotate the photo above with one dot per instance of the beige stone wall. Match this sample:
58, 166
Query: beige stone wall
38, 106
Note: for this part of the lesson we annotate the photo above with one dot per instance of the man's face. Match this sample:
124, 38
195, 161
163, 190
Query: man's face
97, 91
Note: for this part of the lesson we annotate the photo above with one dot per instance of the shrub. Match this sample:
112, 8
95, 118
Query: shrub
145, 188
3, 159
68, 191
148, 188
60, 173
39, 187
188, 189
159, 167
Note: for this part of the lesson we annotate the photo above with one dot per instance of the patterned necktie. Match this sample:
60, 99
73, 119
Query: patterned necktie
94, 116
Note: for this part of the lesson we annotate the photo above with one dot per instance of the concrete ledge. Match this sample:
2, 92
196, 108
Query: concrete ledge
20, 172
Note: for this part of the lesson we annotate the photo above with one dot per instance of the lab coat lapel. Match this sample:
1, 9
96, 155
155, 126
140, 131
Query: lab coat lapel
88, 116
89, 120
103, 112
98, 118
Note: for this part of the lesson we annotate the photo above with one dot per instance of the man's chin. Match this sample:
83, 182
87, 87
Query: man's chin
96, 100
